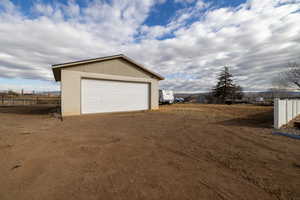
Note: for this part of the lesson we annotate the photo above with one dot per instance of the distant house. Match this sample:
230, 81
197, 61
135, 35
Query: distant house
259, 99
107, 84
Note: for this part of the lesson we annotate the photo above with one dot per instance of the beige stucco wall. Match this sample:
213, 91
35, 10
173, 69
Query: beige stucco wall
114, 67
71, 87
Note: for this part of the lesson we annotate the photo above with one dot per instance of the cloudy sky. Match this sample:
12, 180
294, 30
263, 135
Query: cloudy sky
187, 41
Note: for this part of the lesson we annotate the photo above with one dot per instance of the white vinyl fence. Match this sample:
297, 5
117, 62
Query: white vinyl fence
285, 110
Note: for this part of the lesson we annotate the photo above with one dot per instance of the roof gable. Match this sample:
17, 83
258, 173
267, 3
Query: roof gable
57, 67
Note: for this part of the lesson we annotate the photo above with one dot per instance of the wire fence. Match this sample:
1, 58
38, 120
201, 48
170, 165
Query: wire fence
15, 100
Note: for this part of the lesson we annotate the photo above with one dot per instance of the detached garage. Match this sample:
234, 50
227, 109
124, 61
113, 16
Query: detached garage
107, 84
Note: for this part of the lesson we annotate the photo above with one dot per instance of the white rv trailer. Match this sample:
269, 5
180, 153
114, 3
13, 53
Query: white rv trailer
166, 96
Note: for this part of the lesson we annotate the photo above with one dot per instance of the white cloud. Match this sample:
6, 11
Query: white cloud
43, 9
257, 39
7, 6
184, 1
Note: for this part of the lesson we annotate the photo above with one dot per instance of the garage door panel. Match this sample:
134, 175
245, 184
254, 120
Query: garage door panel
98, 96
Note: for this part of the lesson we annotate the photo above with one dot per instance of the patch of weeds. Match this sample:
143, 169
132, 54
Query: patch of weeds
16, 166
26, 133
6, 146
296, 165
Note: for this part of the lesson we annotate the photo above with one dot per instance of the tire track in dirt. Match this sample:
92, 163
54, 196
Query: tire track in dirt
276, 192
220, 194
245, 138
244, 175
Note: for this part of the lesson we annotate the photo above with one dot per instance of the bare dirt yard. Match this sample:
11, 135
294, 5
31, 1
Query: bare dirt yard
185, 151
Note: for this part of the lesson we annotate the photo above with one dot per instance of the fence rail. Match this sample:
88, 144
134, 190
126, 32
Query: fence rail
285, 110
29, 101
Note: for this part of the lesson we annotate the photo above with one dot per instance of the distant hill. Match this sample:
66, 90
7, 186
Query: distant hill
274, 94
192, 97
248, 96
54, 93
184, 95
51, 93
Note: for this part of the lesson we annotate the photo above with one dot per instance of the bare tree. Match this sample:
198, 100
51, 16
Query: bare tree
293, 75
276, 93
290, 77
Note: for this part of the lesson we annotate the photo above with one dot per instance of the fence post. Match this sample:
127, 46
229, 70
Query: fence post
276, 113
298, 107
2, 99
293, 112
288, 110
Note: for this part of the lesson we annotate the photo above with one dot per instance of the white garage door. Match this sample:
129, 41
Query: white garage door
99, 96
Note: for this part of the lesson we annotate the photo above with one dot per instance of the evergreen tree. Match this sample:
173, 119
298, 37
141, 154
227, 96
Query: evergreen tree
238, 92
225, 88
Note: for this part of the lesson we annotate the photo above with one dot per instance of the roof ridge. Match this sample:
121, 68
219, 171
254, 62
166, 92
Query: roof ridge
89, 59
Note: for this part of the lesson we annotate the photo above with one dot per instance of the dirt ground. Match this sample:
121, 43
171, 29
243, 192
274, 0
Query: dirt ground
185, 151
